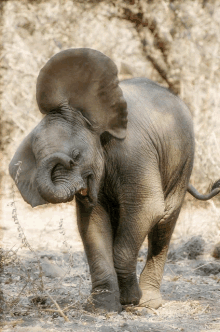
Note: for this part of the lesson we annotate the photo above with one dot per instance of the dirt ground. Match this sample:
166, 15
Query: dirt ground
53, 271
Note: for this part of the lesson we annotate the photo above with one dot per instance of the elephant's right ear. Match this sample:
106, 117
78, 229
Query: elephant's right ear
22, 169
86, 80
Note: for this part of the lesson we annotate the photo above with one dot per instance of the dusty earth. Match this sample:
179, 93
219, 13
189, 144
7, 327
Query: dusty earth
52, 270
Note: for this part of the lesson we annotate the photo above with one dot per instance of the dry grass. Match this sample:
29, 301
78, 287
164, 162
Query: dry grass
34, 31
26, 286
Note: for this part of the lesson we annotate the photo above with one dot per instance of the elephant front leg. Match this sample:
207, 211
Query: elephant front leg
151, 276
137, 218
96, 232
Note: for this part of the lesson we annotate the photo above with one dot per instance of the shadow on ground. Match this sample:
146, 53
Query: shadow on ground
33, 283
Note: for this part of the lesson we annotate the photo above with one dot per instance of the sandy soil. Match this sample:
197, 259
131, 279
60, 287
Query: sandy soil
54, 268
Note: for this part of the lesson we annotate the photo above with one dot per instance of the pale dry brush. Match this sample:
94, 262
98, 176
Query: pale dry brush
11, 257
180, 39
20, 273
70, 261
66, 244
22, 236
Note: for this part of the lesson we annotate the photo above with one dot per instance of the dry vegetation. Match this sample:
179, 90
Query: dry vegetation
175, 43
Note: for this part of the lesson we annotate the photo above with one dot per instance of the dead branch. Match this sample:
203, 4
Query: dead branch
58, 307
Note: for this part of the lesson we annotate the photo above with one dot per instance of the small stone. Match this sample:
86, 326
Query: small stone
88, 318
204, 269
123, 324
8, 281
216, 251
36, 300
195, 247
51, 270
190, 249
17, 278
145, 312
106, 329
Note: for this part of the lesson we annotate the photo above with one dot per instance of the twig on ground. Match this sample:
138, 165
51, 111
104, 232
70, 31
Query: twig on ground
154, 311
70, 306
198, 267
204, 309
58, 307
171, 270
64, 309
13, 323
17, 299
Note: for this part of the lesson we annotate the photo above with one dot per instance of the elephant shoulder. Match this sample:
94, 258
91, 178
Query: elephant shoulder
155, 115
142, 83
149, 100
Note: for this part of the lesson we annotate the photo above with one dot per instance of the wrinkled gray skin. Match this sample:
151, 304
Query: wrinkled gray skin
126, 153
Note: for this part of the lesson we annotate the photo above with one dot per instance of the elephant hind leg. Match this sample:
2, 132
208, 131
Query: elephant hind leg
158, 243
159, 238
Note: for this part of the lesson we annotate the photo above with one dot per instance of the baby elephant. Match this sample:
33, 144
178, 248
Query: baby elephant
125, 151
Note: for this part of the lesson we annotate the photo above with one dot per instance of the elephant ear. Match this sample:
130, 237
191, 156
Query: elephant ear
23, 169
86, 80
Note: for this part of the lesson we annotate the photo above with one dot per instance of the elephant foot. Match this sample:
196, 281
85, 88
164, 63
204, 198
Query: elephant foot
151, 299
130, 292
102, 301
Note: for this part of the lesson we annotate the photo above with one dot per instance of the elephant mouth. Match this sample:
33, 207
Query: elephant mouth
87, 195
83, 192
82, 187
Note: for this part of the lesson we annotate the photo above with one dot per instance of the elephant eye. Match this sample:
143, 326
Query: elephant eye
75, 155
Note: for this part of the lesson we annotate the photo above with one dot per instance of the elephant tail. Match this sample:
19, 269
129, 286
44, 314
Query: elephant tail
215, 190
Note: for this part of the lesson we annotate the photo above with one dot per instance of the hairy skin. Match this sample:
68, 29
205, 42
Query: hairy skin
127, 187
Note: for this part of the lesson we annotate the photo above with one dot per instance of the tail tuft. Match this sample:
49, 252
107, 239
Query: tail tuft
216, 185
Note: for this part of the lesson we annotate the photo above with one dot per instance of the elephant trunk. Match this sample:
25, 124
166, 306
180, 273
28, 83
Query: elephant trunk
57, 191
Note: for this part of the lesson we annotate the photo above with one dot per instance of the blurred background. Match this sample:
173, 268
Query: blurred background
175, 43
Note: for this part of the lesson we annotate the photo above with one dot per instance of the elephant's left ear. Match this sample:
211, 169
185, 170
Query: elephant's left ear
86, 80
22, 169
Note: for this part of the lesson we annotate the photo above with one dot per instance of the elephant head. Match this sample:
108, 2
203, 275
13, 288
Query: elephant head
78, 91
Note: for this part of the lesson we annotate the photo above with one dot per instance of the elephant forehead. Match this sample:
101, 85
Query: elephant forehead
59, 140
62, 125
53, 134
